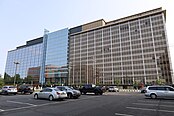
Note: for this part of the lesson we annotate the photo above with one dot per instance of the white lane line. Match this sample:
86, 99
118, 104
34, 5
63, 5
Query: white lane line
21, 103
135, 108
1, 110
118, 114
152, 105
156, 101
18, 108
46, 104
146, 109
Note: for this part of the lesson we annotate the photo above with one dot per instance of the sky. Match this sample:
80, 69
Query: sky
23, 20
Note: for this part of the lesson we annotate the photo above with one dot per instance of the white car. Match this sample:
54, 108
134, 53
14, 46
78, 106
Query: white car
51, 94
9, 90
113, 89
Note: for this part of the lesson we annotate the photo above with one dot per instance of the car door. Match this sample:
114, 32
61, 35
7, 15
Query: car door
161, 92
47, 93
170, 92
41, 94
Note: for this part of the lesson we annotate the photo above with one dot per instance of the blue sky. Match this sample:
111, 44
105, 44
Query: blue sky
23, 20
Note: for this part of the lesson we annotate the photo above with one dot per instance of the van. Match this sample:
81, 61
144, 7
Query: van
159, 92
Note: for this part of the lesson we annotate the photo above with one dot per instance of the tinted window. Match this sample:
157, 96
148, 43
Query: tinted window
49, 90
152, 88
169, 89
161, 88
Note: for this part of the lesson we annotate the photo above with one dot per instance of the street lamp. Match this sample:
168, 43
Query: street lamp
16, 63
69, 73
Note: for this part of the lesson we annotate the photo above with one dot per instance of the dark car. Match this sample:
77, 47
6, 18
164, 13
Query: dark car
25, 89
91, 88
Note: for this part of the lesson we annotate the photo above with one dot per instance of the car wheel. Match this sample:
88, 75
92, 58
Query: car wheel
153, 96
69, 95
51, 98
6, 92
36, 96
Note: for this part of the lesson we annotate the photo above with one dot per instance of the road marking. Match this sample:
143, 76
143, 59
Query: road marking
46, 104
22, 103
118, 114
153, 105
151, 101
146, 109
135, 108
1, 110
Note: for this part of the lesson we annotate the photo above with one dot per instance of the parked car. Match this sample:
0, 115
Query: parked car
51, 94
143, 90
71, 92
25, 89
91, 88
159, 92
113, 89
9, 90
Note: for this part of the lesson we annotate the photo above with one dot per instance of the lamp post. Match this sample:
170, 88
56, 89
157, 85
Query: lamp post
94, 69
16, 63
69, 73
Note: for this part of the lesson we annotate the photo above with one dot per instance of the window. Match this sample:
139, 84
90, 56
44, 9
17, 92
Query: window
161, 88
169, 89
152, 88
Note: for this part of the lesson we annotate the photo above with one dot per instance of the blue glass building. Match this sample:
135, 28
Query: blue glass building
44, 59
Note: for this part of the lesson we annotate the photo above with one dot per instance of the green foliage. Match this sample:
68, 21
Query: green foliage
28, 79
1, 82
49, 83
117, 82
159, 82
135, 84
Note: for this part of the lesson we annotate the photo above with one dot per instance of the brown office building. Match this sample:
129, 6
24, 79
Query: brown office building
125, 51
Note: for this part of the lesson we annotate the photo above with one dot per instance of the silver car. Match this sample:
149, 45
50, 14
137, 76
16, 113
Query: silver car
159, 92
50, 93
71, 92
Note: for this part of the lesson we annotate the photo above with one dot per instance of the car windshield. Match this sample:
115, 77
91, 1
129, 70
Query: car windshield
69, 88
57, 89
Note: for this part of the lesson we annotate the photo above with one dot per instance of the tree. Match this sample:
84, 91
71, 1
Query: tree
8, 79
28, 79
135, 84
1, 82
117, 82
158, 82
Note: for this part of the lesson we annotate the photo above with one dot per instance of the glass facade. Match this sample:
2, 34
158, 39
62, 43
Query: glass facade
27, 56
44, 59
56, 57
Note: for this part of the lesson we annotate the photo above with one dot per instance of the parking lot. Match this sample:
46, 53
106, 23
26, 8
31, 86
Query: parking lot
109, 104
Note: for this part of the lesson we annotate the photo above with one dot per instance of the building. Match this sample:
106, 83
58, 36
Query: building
125, 51
44, 57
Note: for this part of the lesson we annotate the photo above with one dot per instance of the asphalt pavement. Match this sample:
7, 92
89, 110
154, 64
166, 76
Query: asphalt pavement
109, 104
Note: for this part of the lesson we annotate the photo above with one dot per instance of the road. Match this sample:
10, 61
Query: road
109, 104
